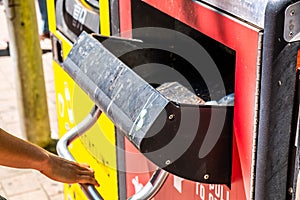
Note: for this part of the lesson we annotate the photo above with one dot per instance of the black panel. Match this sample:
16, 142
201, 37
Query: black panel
276, 107
161, 147
144, 15
294, 159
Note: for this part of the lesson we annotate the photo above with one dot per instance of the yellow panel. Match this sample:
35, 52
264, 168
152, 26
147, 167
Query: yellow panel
104, 17
63, 87
106, 126
51, 15
97, 146
105, 174
73, 192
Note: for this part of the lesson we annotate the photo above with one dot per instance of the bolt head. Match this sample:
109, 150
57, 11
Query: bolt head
171, 116
291, 190
206, 176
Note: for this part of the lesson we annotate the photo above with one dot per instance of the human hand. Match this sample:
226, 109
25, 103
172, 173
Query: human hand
66, 171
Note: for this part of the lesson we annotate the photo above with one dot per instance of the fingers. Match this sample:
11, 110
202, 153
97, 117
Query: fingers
66, 171
86, 179
84, 165
86, 175
85, 169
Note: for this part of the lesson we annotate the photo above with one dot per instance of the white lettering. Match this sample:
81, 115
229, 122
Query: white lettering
68, 103
76, 11
218, 190
82, 16
210, 196
79, 15
177, 182
197, 188
61, 105
202, 192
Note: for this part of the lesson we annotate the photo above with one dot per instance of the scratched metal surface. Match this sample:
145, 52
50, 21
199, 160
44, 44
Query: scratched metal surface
72, 18
176, 92
129, 101
252, 11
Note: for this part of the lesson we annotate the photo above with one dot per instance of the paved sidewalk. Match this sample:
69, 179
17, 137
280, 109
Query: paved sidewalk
18, 184
15, 183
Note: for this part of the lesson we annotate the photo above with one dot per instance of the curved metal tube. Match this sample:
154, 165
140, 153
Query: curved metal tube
90, 5
152, 187
147, 192
63, 143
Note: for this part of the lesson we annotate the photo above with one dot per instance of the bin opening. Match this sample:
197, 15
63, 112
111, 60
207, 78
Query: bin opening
190, 140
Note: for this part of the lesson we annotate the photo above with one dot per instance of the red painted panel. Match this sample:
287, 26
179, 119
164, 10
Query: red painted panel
177, 188
244, 40
138, 169
125, 18
298, 59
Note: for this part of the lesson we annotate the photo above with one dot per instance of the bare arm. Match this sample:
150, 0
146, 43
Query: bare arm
17, 153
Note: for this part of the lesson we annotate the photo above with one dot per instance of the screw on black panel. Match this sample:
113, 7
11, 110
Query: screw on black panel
206, 176
171, 116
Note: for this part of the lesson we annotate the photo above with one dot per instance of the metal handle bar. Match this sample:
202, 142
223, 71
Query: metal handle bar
147, 192
70, 136
153, 185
